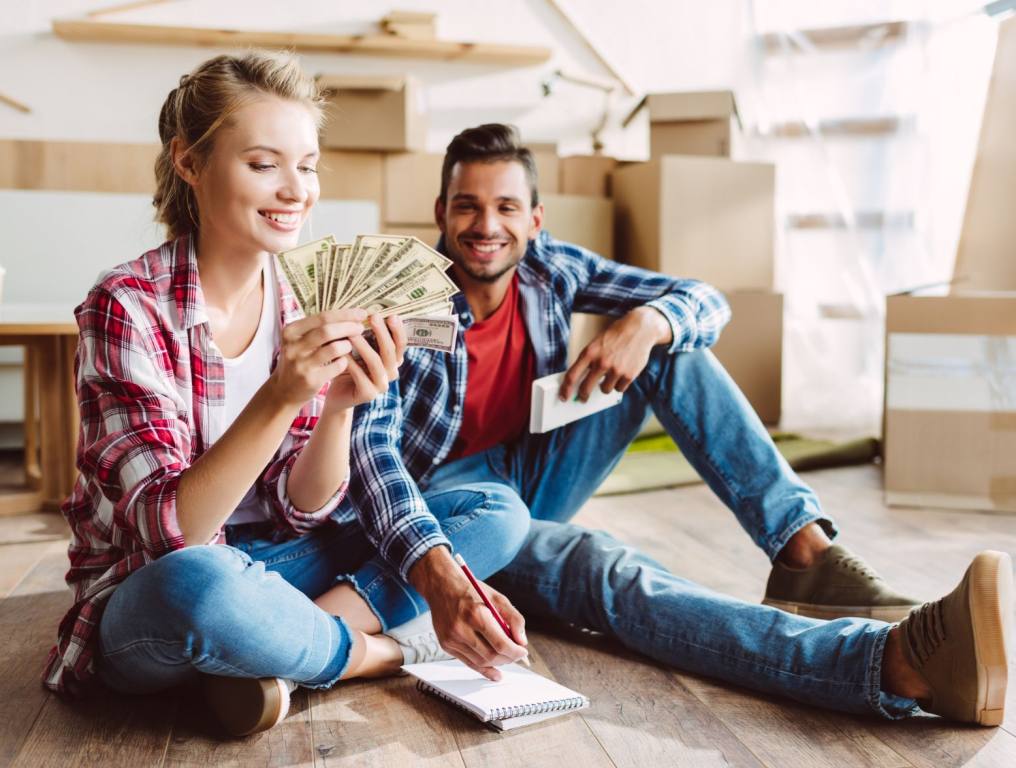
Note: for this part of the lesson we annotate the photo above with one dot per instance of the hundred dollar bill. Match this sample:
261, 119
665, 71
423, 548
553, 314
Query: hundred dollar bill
431, 283
341, 255
432, 332
299, 265
400, 262
368, 252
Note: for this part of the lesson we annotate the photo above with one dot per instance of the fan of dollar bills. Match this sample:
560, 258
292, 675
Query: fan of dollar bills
383, 274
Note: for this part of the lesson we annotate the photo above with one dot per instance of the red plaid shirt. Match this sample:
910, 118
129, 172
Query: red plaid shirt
150, 383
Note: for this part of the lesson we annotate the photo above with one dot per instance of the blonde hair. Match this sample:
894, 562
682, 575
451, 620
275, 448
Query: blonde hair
202, 103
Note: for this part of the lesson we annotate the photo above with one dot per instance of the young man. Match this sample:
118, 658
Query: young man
461, 419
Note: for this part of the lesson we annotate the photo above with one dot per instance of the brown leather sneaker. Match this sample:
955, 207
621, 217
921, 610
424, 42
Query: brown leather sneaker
246, 705
840, 584
960, 643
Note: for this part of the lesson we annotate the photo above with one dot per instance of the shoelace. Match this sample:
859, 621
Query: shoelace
858, 566
925, 630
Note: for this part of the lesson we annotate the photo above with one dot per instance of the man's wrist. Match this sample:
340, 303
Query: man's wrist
656, 322
436, 573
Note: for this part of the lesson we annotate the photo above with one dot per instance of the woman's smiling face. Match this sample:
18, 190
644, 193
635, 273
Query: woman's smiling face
259, 183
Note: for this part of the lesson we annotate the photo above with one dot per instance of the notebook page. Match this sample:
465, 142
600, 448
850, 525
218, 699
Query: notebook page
518, 687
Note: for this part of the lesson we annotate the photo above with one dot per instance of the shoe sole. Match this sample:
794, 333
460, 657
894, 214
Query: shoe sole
247, 705
990, 596
890, 613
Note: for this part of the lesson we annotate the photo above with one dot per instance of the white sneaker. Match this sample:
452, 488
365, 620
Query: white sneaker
418, 640
246, 705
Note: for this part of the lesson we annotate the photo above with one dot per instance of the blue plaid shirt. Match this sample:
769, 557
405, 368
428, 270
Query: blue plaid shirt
400, 438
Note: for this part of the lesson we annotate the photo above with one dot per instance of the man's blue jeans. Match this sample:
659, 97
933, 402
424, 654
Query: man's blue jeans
591, 580
245, 609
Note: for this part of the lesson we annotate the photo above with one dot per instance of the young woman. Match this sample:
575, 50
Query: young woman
212, 413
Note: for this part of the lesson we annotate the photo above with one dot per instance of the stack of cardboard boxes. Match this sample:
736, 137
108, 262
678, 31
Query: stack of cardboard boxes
950, 397
693, 211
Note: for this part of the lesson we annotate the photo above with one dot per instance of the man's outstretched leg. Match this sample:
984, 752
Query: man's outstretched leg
716, 429
950, 655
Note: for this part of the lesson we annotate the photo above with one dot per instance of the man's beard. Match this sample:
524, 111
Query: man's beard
484, 277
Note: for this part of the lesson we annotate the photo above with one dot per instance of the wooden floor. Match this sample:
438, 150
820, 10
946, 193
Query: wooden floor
642, 714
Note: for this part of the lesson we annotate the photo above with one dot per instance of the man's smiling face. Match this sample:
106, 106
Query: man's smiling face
487, 218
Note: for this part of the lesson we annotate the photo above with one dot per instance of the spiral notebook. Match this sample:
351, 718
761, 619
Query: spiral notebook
521, 697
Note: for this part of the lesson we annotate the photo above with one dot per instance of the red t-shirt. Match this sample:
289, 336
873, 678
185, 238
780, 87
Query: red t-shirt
500, 380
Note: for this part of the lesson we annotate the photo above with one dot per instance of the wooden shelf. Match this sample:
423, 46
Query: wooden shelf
867, 35
87, 30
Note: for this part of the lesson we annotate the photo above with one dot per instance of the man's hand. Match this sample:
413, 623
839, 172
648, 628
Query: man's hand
617, 355
465, 627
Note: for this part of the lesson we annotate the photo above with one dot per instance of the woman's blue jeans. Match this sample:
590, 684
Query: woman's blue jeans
245, 609
590, 579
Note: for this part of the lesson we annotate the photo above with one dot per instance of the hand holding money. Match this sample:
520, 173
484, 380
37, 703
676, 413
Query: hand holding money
382, 274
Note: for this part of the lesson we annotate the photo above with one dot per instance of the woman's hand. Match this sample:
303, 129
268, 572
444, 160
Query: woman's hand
314, 351
366, 378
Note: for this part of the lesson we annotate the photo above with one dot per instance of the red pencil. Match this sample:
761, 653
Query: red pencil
497, 616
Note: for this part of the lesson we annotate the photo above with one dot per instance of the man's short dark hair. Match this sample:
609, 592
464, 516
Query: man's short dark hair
490, 143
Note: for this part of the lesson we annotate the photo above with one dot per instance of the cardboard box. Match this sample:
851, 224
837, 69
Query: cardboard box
412, 184
372, 112
412, 26
691, 123
548, 169
351, 176
985, 259
586, 175
701, 217
428, 235
751, 349
585, 221
950, 401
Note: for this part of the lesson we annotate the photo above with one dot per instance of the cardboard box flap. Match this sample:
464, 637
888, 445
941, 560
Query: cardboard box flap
361, 82
687, 106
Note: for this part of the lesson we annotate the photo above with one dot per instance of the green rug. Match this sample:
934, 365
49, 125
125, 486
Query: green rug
655, 462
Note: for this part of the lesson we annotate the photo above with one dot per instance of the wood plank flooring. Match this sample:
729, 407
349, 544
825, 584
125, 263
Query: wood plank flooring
642, 714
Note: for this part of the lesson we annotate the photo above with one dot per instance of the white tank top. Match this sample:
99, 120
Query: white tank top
244, 375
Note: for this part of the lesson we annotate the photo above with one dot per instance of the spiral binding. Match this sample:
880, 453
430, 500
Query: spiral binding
503, 713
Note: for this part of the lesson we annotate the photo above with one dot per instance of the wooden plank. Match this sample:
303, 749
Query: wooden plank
641, 713
108, 729
930, 742
32, 529
33, 472
28, 622
784, 733
18, 560
384, 723
20, 502
82, 30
